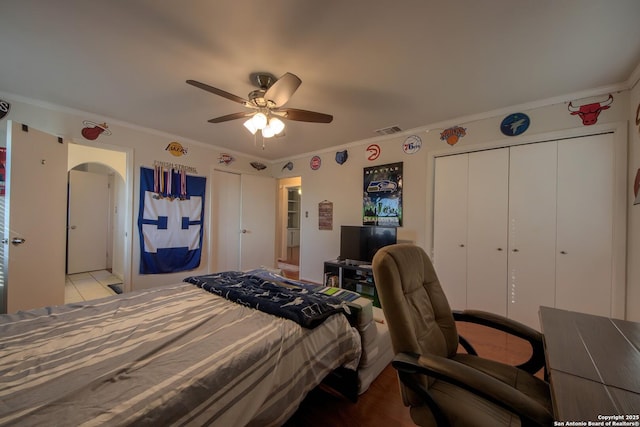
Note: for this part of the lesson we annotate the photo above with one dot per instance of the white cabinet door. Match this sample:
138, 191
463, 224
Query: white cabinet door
585, 218
487, 218
450, 227
532, 230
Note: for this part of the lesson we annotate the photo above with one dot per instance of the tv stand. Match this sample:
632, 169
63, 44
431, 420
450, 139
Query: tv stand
352, 275
350, 262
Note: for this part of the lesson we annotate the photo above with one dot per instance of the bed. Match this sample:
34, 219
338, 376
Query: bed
171, 355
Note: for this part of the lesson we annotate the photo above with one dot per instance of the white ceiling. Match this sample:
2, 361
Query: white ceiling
369, 63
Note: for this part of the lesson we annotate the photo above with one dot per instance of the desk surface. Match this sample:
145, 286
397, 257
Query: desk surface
593, 363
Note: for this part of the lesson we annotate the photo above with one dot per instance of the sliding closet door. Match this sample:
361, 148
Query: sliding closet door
258, 213
532, 230
487, 217
585, 218
225, 224
450, 227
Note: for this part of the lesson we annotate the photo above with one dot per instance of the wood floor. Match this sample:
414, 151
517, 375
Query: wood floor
381, 404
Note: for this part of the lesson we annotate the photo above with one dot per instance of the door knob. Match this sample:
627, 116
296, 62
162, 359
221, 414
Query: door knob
17, 241
243, 231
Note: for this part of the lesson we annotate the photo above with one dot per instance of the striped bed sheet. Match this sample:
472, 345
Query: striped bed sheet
172, 355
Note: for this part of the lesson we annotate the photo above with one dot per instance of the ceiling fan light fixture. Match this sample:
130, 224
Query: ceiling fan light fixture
268, 132
259, 121
276, 124
251, 126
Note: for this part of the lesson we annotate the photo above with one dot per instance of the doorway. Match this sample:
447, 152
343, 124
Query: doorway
108, 166
45, 285
289, 215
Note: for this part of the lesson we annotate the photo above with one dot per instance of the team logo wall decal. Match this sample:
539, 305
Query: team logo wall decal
176, 149
589, 112
412, 144
93, 130
638, 117
453, 134
225, 158
515, 124
4, 108
288, 166
258, 166
341, 157
315, 163
373, 151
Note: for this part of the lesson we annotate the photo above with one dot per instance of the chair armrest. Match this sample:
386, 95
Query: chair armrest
512, 327
477, 382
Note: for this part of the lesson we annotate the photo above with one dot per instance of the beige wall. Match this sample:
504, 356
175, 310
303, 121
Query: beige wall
143, 147
342, 184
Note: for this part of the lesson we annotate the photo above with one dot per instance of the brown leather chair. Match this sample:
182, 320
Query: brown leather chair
441, 386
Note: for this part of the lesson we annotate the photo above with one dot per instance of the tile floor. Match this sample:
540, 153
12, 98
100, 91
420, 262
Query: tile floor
89, 285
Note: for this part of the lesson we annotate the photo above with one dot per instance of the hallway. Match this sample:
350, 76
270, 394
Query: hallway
90, 285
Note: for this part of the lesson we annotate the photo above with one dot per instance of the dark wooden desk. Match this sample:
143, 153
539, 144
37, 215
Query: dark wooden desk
594, 365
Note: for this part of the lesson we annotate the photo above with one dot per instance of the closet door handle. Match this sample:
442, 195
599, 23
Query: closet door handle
462, 245
516, 250
563, 252
499, 249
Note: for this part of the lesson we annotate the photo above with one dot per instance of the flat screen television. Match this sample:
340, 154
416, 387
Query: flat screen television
360, 243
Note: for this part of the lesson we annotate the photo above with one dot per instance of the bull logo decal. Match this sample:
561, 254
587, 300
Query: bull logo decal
589, 112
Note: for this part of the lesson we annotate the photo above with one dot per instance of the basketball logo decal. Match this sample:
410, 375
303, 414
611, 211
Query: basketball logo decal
374, 152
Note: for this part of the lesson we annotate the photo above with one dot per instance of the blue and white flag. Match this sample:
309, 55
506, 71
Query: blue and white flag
170, 221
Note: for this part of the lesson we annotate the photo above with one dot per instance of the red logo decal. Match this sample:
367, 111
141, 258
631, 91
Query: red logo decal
374, 151
589, 112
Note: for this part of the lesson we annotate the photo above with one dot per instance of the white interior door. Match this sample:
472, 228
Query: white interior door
487, 216
585, 219
532, 230
226, 221
88, 222
35, 219
450, 227
258, 235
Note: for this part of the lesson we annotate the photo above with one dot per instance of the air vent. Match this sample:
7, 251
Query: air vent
389, 130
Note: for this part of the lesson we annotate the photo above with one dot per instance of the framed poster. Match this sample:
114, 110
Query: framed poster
325, 215
382, 201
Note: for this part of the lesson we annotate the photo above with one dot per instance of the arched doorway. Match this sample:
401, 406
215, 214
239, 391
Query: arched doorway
113, 163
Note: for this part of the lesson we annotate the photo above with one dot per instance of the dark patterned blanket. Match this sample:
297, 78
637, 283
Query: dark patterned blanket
272, 294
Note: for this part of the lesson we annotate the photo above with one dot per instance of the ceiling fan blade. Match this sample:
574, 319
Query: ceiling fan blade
280, 92
232, 116
219, 92
305, 116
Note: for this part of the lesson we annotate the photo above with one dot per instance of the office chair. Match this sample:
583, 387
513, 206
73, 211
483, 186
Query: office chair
441, 386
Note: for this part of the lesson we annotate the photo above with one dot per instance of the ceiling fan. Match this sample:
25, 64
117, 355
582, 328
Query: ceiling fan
266, 103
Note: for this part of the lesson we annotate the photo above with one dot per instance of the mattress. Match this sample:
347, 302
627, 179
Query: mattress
172, 355
377, 352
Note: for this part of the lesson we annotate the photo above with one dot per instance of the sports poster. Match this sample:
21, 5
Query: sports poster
382, 203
